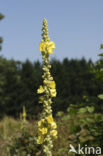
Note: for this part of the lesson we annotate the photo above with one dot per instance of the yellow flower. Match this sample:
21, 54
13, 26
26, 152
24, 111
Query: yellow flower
43, 46
53, 125
52, 84
40, 123
53, 133
53, 92
40, 90
43, 130
40, 140
50, 47
50, 119
47, 47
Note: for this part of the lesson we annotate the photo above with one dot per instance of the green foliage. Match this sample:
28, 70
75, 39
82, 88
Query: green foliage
24, 145
59, 114
98, 71
86, 109
74, 128
14, 141
19, 83
85, 126
100, 96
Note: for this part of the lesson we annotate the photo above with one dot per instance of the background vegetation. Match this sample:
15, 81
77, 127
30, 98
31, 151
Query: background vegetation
19, 82
77, 109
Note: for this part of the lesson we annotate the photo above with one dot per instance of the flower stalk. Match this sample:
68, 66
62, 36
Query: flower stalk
23, 118
46, 125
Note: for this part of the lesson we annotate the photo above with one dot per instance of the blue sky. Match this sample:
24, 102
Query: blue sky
76, 27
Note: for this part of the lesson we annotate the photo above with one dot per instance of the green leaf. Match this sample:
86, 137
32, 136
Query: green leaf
101, 69
100, 96
90, 109
82, 110
68, 109
66, 117
89, 120
59, 114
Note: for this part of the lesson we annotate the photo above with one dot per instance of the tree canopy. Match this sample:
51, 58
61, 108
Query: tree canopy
19, 82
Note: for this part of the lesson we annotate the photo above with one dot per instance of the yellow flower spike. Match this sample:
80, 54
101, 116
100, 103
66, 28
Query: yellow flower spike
24, 112
40, 90
23, 118
46, 126
45, 31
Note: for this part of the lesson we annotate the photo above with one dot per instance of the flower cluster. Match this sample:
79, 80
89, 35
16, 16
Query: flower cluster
46, 126
51, 88
47, 47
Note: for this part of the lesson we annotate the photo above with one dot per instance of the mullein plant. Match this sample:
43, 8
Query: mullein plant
47, 128
23, 119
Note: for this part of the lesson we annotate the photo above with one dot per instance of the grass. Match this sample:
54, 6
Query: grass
72, 129
9, 129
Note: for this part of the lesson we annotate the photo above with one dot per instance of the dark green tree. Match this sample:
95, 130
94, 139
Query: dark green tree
19, 82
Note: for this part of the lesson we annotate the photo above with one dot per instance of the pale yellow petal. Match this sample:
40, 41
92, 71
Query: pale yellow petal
40, 90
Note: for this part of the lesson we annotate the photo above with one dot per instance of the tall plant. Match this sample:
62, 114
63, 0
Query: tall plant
47, 128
